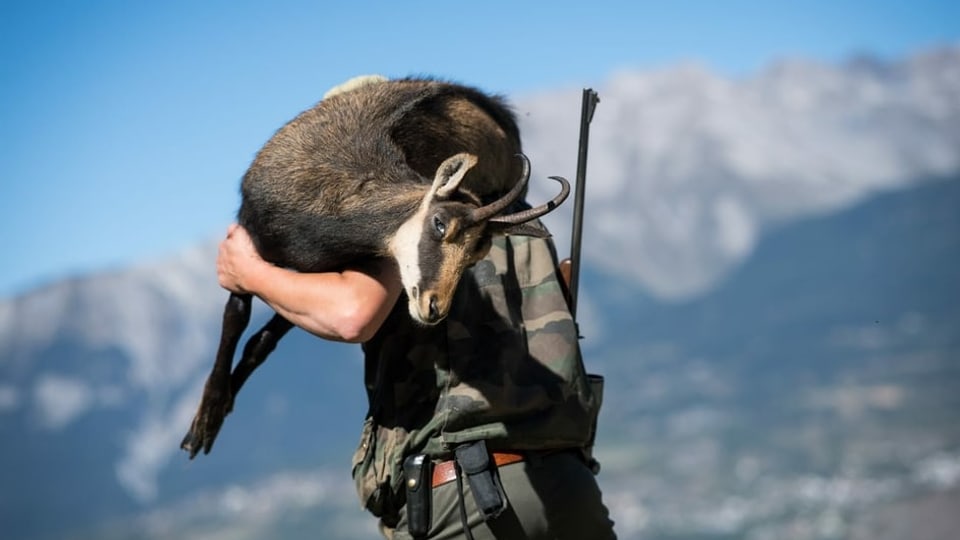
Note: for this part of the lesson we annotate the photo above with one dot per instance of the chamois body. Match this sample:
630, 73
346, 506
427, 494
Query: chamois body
415, 170
329, 188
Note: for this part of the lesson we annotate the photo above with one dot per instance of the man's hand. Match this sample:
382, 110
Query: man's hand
236, 259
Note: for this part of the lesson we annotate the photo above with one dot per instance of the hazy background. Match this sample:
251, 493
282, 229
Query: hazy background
772, 245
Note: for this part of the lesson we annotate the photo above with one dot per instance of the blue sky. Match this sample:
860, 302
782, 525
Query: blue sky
125, 126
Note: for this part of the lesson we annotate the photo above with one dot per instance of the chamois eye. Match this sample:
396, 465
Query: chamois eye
439, 225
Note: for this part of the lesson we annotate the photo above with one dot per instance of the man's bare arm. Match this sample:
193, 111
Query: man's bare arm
344, 306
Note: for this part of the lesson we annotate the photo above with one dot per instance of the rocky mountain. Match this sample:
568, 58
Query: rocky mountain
810, 390
99, 391
687, 169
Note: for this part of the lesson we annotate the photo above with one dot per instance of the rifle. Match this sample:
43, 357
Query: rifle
570, 267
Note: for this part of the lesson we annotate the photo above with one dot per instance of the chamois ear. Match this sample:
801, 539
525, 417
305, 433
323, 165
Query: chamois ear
450, 173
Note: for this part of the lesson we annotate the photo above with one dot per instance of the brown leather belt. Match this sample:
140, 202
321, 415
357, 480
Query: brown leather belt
445, 471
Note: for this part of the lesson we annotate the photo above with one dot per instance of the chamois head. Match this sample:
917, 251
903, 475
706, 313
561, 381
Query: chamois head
452, 230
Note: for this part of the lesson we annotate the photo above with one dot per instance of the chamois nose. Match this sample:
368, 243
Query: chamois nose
434, 310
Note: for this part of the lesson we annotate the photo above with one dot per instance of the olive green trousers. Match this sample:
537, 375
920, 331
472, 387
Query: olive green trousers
554, 496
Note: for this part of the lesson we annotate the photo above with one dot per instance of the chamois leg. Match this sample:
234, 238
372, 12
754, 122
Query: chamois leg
257, 349
217, 398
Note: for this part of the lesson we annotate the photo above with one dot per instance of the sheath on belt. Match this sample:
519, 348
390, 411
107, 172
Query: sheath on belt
474, 461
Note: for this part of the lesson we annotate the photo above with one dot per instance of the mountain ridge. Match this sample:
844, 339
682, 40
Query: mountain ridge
688, 169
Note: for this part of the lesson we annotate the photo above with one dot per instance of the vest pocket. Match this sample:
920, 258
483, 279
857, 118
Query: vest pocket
376, 470
362, 466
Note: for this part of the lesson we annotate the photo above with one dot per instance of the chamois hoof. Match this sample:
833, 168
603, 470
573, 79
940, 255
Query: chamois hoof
191, 443
206, 425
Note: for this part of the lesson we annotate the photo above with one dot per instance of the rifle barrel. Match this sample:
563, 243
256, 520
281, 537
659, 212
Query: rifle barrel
589, 104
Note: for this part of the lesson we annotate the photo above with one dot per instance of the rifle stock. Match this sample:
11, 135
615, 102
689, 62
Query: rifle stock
566, 267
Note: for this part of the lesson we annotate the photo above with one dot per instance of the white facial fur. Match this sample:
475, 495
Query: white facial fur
405, 244
405, 248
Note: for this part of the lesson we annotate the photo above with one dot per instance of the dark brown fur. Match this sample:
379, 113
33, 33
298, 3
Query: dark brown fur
328, 189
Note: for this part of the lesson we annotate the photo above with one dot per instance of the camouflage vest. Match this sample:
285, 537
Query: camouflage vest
504, 366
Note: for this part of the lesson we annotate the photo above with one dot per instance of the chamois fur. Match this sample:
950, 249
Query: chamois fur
417, 170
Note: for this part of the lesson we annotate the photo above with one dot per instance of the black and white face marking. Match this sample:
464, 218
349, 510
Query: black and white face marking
432, 250
405, 246
429, 247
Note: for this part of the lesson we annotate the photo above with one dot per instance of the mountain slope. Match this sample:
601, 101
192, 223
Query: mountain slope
816, 383
897, 254
827, 361
101, 376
